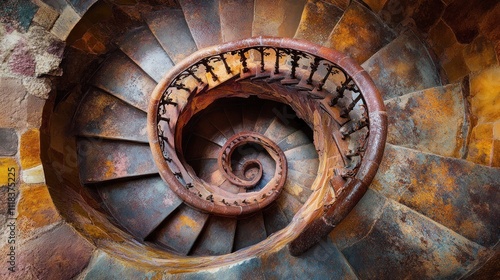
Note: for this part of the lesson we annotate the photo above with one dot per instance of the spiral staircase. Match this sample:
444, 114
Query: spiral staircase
427, 213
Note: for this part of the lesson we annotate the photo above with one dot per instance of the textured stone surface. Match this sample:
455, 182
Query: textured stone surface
317, 22
236, 18
65, 23
104, 266
12, 97
485, 97
481, 144
463, 17
57, 254
30, 148
403, 244
36, 210
456, 193
277, 18
323, 261
7, 163
8, 140
34, 175
359, 33
431, 120
45, 16
403, 66
248, 269
480, 54
20, 12
204, 21
427, 14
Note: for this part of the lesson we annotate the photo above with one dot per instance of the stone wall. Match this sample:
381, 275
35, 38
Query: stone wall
35, 37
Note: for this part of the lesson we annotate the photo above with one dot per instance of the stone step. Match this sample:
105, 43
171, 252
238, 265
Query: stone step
277, 18
143, 48
180, 230
360, 33
236, 19
205, 148
105, 116
274, 219
294, 140
249, 231
383, 232
324, 261
432, 120
458, 194
217, 237
296, 188
203, 20
318, 20
280, 129
289, 205
102, 160
122, 78
302, 152
403, 66
139, 205
172, 31
248, 269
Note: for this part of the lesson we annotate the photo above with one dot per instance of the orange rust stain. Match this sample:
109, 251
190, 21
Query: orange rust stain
186, 221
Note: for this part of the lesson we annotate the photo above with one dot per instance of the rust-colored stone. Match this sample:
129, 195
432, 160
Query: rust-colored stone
35, 209
30, 148
9, 165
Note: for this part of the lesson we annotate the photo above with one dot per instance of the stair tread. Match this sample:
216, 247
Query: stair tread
122, 78
205, 148
204, 167
304, 180
289, 205
103, 115
360, 33
294, 140
279, 130
396, 237
431, 120
139, 205
308, 166
250, 115
235, 118
145, 50
324, 261
403, 66
102, 160
203, 20
272, 18
236, 18
249, 231
274, 219
172, 31
266, 116
248, 269
217, 237
302, 152
219, 120
181, 229
208, 131
458, 194
317, 22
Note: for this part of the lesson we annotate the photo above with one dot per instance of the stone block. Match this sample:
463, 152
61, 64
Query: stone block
30, 149
33, 175
484, 93
8, 142
45, 16
480, 145
103, 265
60, 253
480, 54
8, 164
65, 23
12, 102
35, 209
